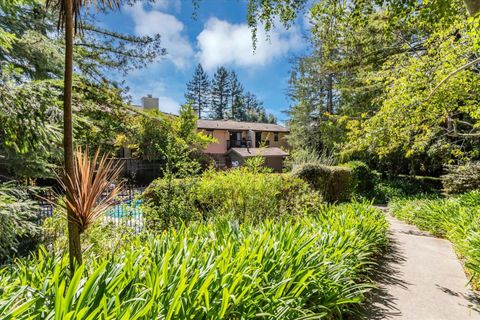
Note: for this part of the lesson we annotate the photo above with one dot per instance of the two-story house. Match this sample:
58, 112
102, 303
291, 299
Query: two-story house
237, 141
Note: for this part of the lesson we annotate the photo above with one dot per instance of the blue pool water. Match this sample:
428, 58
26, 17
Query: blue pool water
131, 208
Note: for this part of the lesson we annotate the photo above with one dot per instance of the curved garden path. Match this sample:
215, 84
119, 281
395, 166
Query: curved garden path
420, 278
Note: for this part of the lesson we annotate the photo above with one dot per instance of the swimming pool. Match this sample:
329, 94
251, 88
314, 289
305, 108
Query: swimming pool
127, 209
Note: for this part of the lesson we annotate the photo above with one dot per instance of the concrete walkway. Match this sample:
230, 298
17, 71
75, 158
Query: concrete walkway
420, 278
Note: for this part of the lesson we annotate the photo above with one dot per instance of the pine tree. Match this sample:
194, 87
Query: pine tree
198, 91
253, 108
238, 109
236, 92
220, 94
272, 118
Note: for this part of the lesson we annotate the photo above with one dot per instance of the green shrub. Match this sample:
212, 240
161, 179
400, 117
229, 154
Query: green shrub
462, 178
300, 267
363, 179
333, 182
170, 202
240, 194
457, 219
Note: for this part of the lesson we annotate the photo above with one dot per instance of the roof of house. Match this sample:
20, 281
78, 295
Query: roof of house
238, 125
265, 152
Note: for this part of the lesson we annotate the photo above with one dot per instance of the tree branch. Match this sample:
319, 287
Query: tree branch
451, 74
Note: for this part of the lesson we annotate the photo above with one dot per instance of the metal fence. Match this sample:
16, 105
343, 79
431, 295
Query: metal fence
126, 212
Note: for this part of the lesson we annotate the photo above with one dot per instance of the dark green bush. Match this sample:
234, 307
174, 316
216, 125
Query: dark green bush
240, 194
462, 178
405, 186
363, 179
333, 182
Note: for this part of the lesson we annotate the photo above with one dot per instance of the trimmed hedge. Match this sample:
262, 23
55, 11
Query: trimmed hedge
333, 182
462, 178
240, 194
363, 179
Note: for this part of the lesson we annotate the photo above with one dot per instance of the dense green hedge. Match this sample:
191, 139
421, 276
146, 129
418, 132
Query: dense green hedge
240, 194
456, 219
462, 178
363, 178
333, 182
310, 267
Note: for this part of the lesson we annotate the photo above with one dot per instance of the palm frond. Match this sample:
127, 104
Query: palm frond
77, 6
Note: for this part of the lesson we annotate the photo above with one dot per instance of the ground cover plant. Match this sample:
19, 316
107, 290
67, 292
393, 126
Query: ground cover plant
296, 267
455, 218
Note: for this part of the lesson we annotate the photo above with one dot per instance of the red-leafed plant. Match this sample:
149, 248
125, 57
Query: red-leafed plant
91, 191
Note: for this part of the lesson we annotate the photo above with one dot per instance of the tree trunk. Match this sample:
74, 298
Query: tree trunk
473, 6
330, 93
73, 229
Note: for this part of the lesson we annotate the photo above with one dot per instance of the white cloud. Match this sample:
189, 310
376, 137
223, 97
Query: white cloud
223, 43
167, 4
167, 104
179, 50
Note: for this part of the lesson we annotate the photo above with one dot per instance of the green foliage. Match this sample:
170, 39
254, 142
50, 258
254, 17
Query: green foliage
18, 215
462, 178
30, 137
170, 202
244, 194
101, 238
388, 82
37, 48
363, 179
257, 165
400, 187
224, 98
307, 155
173, 140
198, 91
30, 134
333, 182
456, 219
220, 94
300, 267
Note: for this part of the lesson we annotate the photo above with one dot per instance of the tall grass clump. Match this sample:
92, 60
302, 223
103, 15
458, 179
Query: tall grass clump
293, 268
456, 219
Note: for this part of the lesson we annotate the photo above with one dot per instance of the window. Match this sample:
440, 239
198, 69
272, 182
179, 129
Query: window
275, 136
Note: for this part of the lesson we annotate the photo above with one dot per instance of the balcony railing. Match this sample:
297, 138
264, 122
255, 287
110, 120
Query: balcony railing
239, 144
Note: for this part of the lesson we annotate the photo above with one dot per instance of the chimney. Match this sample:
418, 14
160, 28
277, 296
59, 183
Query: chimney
149, 102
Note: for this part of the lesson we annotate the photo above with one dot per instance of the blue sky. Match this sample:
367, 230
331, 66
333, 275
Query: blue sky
217, 37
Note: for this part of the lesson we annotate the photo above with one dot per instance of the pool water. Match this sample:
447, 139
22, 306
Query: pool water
131, 208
